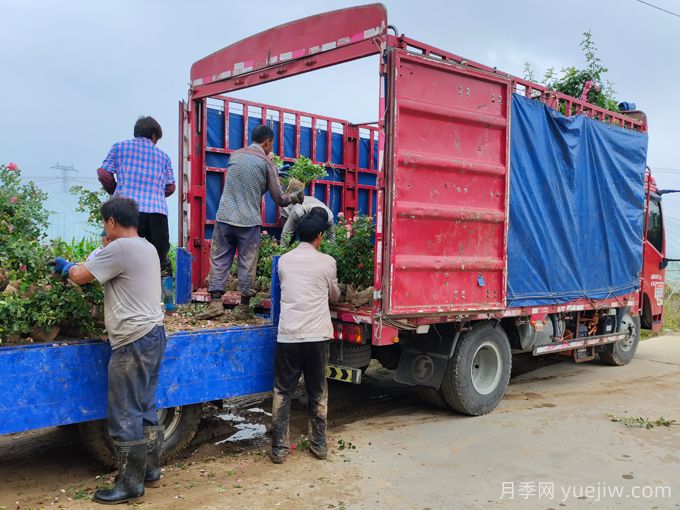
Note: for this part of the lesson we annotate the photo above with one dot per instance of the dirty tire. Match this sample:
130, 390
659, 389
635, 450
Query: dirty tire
477, 390
180, 422
622, 352
432, 397
350, 355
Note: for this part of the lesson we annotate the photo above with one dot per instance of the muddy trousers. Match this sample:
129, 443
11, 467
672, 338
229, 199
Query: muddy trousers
226, 240
133, 378
292, 360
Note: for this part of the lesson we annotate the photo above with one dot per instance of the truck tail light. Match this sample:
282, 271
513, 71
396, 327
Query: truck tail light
352, 333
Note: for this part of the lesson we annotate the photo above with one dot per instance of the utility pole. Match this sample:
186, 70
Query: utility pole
65, 176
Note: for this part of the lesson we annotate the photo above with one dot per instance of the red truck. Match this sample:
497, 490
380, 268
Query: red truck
509, 217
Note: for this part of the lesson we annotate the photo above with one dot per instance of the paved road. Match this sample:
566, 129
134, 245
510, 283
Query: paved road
550, 444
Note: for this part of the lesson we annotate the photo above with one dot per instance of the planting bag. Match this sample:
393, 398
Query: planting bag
576, 207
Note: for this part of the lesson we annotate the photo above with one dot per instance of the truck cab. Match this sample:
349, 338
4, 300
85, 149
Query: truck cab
654, 260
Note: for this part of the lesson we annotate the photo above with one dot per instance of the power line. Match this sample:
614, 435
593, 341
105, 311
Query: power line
660, 8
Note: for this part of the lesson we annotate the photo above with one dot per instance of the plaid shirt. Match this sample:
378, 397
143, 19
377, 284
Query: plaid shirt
143, 171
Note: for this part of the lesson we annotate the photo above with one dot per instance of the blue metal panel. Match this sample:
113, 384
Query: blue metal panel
336, 148
269, 209
183, 276
253, 122
45, 385
289, 140
321, 137
306, 141
235, 131
209, 230
216, 160
213, 193
215, 128
367, 179
364, 144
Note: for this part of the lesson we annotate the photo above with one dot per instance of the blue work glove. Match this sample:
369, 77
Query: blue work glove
61, 265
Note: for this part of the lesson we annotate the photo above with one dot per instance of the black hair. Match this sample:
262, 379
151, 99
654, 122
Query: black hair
124, 211
320, 211
262, 133
147, 127
311, 225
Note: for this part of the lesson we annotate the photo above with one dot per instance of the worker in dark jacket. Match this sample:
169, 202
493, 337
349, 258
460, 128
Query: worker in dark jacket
143, 172
250, 174
128, 267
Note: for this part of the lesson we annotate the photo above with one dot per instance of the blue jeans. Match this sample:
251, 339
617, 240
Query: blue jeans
133, 378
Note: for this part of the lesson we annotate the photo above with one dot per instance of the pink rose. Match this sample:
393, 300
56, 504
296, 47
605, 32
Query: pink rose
13, 200
12, 166
265, 233
23, 267
48, 287
341, 215
10, 227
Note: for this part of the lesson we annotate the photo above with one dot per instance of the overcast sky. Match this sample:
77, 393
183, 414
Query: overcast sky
75, 75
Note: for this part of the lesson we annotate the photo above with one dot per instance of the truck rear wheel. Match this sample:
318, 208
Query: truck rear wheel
350, 355
180, 428
622, 352
477, 375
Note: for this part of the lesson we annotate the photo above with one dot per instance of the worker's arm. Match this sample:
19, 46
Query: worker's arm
289, 227
169, 177
107, 180
108, 169
80, 275
77, 273
278, 196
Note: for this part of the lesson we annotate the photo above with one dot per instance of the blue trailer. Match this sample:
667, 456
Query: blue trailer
65, 383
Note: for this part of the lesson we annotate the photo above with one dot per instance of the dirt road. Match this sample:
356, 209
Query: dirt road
550, 444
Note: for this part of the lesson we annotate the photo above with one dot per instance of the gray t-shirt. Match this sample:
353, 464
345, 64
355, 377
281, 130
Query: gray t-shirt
130, 271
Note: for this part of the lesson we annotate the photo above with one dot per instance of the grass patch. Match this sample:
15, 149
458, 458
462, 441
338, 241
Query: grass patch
641, 422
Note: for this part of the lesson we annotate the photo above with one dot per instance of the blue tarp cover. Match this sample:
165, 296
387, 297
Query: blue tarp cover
576, 207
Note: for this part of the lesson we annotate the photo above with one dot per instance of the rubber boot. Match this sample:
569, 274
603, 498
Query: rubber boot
154, 446
214, 309
129, 486
167, 290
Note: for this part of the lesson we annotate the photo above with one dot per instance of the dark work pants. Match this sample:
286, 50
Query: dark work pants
154, 228
133, 378
226, 240
292, 360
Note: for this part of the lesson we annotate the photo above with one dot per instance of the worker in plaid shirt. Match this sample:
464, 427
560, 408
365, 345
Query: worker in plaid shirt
143, 172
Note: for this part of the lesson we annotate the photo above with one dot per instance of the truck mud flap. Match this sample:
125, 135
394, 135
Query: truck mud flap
423, 361
343, 374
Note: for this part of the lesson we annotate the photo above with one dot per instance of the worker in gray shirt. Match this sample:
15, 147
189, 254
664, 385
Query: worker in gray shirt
250, 174
291, 215
129, 268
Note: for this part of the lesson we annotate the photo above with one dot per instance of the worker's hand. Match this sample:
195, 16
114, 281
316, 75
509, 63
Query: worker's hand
298, 197
61, 265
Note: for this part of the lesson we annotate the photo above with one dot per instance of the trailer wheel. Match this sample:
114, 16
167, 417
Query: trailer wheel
180, 428
477, 375
622, 352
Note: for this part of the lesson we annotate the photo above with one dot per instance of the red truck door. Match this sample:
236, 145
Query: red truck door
653, 271
446, 187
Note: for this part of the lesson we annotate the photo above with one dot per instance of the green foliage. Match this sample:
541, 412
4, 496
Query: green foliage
573, 80
353, 251
529, 72
642, 422
31, 296
89, 202
303, 169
